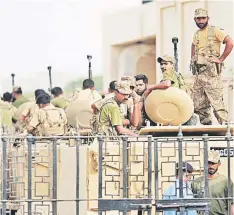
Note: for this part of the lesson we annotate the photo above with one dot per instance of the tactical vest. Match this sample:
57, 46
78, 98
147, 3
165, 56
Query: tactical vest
209, 49
96, 125
51, 127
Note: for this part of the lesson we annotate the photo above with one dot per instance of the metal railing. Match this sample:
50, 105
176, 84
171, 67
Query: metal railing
132, 175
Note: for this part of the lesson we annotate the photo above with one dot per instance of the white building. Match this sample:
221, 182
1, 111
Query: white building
134, 39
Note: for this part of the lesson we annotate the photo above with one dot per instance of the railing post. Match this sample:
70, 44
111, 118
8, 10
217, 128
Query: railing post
125, 172
78, 143
100, 143
4, 175
149, 169
30, 141
54, 202
206, 184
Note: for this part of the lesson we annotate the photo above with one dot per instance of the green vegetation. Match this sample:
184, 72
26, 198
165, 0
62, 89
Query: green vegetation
98, 80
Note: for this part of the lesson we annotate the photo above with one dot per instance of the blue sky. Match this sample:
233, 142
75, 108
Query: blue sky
60, 33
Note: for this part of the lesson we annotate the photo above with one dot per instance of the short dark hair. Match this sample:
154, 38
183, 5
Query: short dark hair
186, 168
43, 98
142, 77
18, 90
112, 85
88, 83
7, 97
56, 91
38, 92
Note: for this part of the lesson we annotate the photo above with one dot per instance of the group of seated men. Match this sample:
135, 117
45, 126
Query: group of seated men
120, 111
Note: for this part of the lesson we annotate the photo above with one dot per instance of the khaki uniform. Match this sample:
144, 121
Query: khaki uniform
208, 88
110, 116
88, 94
60, 102
7, 112
19, 101
49, 121
126, 109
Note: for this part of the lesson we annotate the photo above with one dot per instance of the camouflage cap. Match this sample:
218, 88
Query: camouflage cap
130, 79
166, 58
200, 12
213, 156
123, 87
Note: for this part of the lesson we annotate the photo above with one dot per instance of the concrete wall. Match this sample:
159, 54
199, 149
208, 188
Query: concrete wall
130, 34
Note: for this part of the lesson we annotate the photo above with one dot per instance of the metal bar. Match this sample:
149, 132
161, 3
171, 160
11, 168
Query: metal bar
100, 143
30, 142
125, 182
229, 172
4, 175
78, 141
180, 171
156, 187
205, 140
54, 201
149, 169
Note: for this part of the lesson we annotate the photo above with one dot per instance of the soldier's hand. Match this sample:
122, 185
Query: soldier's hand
214, 59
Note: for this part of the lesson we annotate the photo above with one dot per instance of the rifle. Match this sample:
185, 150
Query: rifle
13, 79
175, 41
50, 78
89, 57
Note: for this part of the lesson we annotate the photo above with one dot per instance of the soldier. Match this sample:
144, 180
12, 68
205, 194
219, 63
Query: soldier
27, 110
217, 186
7, 110
110, 119
206, 64
18, 98
59, 99
48, 120
170, 79
88, 91
128, 110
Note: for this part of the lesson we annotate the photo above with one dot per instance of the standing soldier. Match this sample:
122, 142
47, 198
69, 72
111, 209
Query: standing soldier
206, 64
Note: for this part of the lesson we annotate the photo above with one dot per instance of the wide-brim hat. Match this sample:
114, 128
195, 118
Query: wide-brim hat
169, 106
79, 113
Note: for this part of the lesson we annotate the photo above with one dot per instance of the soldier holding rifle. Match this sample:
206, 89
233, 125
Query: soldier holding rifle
206, 64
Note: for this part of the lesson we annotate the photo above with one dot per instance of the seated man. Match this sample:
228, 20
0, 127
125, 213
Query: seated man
110, 119
59, 99
170, 79
48, 120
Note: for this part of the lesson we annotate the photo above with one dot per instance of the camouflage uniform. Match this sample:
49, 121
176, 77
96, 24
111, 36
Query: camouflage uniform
48, 121
110, 115
208, 88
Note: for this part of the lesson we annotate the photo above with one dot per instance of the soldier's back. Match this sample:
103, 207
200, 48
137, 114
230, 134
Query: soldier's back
60, 102
53, 121
19, 101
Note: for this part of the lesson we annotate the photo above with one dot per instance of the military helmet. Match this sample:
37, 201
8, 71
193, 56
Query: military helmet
169, 106
79, 113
